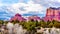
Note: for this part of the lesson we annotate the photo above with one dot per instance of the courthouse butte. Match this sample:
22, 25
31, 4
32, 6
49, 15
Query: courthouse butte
52, 14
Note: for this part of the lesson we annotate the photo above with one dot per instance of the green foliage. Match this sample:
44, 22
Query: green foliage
1, 22
50, 25
31, 25
57, 25
48, 22
42, 23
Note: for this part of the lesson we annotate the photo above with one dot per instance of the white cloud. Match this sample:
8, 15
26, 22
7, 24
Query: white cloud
55, 0
30, 6
14, 8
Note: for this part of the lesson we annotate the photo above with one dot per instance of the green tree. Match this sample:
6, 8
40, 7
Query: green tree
50, 25
42, 23
1, 22
57, 25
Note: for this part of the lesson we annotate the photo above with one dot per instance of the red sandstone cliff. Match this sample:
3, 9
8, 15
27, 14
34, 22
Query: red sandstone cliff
52, 14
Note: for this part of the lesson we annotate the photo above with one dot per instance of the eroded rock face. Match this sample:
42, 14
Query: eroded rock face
34, 18
18, 17
18, 14
52, 13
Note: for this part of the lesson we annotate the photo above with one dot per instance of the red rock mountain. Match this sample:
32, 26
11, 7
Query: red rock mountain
17, 17
34, 18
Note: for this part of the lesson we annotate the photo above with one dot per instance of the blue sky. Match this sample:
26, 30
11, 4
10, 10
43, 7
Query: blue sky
9, 8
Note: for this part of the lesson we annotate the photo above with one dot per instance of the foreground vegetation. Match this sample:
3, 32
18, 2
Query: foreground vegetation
33, 25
